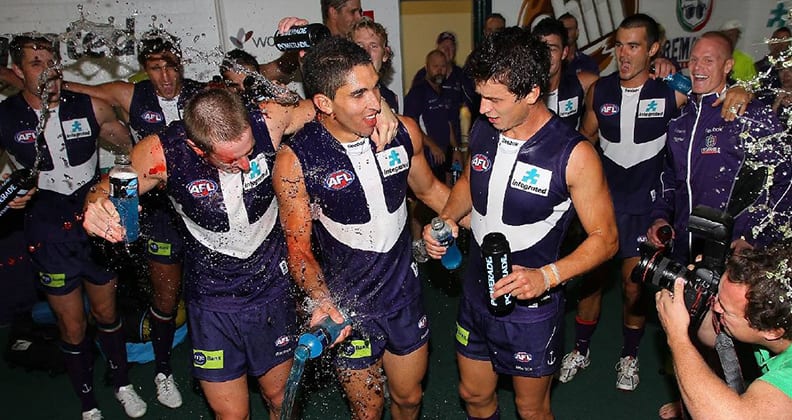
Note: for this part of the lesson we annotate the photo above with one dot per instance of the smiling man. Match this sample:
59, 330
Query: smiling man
338, 193
529, 172
752, 306
706, 154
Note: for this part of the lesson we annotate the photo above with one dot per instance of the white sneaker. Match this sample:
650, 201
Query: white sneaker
134, 406
92, 414
167, 392
627, 373
571, 363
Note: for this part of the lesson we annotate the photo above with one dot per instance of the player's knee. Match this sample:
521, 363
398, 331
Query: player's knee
104, 313
408, 401
273, 397
368, 408
72, 330
532, 409
230, 411
474, 396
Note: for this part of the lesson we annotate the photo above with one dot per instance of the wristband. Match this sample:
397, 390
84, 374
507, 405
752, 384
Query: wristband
555, 274
546, 278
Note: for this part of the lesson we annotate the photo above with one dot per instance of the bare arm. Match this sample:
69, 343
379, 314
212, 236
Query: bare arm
422, 181
112, 131
101, 218
457, 207
591, 198
295, 215
587, 80
117, 94
285, 119
8, 77
590, 126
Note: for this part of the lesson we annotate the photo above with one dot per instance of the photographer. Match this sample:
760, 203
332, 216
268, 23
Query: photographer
753, 305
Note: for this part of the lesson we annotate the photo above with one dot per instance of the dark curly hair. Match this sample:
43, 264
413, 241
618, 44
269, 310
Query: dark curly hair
767, 273
550, 26
514, 58
326, 65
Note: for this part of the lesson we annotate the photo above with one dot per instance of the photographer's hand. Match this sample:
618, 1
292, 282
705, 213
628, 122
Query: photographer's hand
652, 234
672, 312
739, 245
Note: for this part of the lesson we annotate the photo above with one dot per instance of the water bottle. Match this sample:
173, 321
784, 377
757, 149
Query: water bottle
321, 336
679, 82
124, 195
441, 232
456, 171
16, 185
301, 37
497, 264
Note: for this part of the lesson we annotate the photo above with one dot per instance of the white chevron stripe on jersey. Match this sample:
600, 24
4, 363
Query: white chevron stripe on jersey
242, 237
383, 229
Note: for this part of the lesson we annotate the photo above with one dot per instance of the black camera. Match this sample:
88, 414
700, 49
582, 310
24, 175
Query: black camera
701, 284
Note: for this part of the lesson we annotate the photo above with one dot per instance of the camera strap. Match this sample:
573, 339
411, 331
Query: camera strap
729, 362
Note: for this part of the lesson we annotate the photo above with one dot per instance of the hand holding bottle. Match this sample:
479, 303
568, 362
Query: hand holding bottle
325, 312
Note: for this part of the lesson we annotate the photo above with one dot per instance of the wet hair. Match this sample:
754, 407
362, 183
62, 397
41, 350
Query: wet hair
641, 20
157, 41
326, 65
335, 4
382, 33
214, 116
239, 57
514, 58
782, 29
549, 26
35, 41
768, 275
718, 35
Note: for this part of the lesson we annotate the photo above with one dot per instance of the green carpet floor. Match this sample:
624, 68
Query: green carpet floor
591, 395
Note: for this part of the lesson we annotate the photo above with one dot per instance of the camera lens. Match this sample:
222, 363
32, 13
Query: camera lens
657, 269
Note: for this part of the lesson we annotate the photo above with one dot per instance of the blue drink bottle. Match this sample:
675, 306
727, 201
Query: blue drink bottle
124, 195
452, 259
321, 336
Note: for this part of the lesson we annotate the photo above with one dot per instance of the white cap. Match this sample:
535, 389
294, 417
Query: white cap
731, 24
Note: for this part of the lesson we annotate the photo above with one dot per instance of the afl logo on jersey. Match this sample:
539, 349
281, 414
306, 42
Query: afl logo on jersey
25, 137
609, 109
523, 357
152, 117
202, 188
480, 163
282, 341
339, 180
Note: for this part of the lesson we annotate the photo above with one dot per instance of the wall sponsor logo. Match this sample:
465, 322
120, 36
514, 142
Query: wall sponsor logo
693, 15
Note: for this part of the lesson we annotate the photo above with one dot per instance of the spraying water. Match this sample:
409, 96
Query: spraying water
310, 346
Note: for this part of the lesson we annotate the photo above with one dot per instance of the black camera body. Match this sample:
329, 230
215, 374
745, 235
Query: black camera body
701, 284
